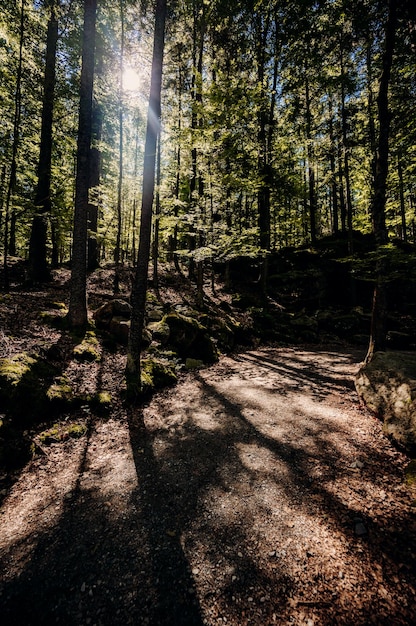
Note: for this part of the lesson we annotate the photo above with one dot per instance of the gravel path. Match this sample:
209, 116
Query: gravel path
254, 492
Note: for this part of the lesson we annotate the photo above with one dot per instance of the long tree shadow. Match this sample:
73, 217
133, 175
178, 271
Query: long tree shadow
176, 600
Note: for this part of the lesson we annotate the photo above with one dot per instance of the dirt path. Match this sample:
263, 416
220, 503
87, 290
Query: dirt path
255, 492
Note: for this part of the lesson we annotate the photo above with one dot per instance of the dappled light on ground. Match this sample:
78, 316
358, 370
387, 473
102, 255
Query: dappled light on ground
255, 492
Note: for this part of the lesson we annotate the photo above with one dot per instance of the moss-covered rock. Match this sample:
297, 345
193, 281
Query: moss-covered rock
61, 432
410, 473
24, 379
113, 308
88, 349
160, 331
190, 338
61, 394
387, 385
193, 364
101, 402
56, 319
156, 374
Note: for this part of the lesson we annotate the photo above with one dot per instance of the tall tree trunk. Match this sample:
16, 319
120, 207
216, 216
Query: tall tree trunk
15, 144
378, 203
310, 151
334, 186
156, 221
345, 152
117, 251
77, 314
262, 24
138, 294
38, 265
95, 169
402, 203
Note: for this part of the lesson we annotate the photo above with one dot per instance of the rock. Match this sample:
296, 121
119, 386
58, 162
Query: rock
113, 308
24, 379
154, 313
193, 364
190, 339
157, 374
120, 329
387, 385
359, 527
160, 331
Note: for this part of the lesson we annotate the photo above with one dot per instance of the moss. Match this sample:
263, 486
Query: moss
190, 338
155, 375
101, 402
23, 381
59, 306
13, 369
61, 432
60, 391
410, 473
87, 350
56, 320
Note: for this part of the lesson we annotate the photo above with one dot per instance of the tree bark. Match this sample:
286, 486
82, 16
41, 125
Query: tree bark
95, 169
15, 145
38, 265
77, 315
379, 311
138, 294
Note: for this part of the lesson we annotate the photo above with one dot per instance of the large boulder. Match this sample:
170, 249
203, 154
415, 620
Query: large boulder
190, 339
387, 385
113, 308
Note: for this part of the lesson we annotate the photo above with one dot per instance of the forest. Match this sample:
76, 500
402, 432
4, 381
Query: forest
207, 312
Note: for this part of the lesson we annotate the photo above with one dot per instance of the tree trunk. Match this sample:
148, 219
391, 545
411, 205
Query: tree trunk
402, 203
378, 203
95, 170
138, 294
77, 314
38, 265
334, 186
117, 251
310, 151
15, 144
156, 221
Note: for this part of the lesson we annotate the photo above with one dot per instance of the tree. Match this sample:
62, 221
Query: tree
379, 310
139, 290
15, 144
38, 266
77, 314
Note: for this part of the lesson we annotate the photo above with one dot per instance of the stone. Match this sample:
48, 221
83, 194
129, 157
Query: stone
113, 308
120, 329
387, 386
193, 364
190, 338
154, 314
160, 331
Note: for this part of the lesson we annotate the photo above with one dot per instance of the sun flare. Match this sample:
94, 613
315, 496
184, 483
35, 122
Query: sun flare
131, 79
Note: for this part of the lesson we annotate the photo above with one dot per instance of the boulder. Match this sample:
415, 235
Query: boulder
160, 331
190, 339
120, 329
113, 308
387, 385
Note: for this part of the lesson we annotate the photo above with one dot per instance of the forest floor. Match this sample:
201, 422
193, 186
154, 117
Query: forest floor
255, 492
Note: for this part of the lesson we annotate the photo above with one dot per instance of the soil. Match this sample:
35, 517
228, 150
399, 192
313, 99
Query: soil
255, 492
